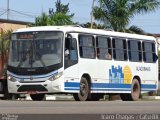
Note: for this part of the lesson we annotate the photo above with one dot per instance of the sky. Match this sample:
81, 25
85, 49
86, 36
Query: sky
150, 23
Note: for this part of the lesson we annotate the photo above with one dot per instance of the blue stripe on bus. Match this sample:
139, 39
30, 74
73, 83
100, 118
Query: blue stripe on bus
100, 89
99, 85
110, 85
72, 84
110, 89
71, 88
144, 87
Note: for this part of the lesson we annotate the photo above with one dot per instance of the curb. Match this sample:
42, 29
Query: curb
54, 97
151, 97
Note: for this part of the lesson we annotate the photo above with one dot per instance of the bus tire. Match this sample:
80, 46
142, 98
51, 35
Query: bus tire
135, 92
94, 97
84, 92
37, 97
14, 97
125, 97
7, 95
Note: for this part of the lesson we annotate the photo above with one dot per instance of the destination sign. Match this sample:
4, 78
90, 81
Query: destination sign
25, 36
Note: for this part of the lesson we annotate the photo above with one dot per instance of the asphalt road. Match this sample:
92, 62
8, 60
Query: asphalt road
72, 108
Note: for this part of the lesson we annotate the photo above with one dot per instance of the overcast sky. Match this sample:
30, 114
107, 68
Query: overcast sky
82, 9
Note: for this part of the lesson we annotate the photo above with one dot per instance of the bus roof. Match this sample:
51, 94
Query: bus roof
85, 30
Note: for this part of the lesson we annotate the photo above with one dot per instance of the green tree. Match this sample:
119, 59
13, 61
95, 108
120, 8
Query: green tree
95, 25
42, 20
59, 17
5, 40
117, 14
61, 8
4, 46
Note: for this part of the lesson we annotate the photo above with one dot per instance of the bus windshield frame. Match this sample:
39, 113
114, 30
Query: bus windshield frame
35, 53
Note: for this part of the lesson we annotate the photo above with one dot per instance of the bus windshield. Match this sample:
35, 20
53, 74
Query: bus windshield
32, 50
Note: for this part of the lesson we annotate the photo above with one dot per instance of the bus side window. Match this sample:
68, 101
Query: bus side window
104, 50
70, 53
87, 46
134, 50
119, 49
149, 52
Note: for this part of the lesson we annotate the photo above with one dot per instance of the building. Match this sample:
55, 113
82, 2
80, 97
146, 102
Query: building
157, 36
12, 24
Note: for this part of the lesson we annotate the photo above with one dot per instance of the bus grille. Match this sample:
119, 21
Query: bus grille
25, 88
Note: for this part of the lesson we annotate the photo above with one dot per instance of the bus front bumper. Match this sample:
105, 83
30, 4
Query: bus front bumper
34, 88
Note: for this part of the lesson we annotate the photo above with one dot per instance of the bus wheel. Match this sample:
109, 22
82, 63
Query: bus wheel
14, 97
84, 93
37, 97
125, 97
135, 92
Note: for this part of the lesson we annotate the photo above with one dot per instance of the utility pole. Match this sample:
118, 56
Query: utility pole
92, 14
8, 10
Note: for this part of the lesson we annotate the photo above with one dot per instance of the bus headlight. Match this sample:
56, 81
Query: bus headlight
11, 78
56, 76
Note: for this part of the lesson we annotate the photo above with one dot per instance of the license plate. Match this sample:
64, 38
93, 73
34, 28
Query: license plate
31, 92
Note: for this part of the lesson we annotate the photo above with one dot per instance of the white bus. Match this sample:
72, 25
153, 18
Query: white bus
87, 63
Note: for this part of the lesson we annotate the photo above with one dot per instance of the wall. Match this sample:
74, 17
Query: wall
11, 26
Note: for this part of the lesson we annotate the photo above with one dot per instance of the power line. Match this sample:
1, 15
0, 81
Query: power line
24, 14
3, 13
31, 13
8, 10
13, 12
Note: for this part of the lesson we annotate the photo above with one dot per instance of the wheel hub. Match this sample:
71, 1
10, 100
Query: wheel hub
83, 89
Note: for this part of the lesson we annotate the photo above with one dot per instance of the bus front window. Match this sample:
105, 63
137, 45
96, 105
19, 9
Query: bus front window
36, 51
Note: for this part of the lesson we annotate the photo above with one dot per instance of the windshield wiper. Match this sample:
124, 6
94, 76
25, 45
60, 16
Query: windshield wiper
20, 63
38, 54
22, 60
40, 59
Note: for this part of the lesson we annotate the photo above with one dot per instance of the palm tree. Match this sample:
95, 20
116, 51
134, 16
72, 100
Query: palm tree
117, 14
